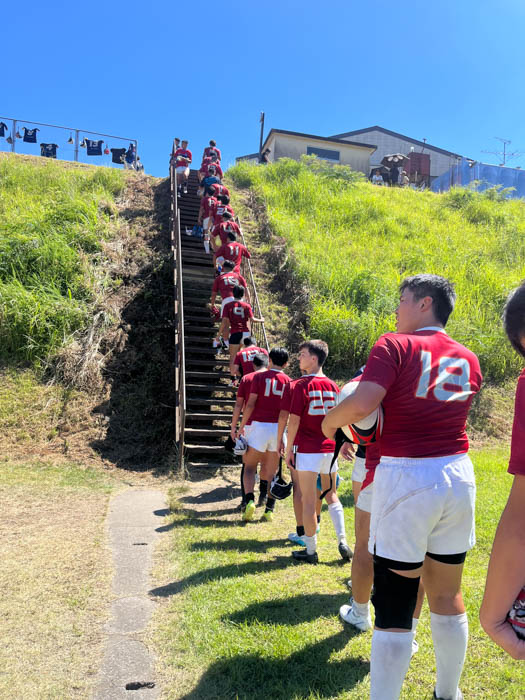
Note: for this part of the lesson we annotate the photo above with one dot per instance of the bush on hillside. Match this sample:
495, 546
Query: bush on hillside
52, 222
352, 243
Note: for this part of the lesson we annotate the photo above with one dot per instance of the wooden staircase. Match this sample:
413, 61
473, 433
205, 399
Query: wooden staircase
209, 399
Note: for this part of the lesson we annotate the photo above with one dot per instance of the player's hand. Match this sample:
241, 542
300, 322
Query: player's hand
290, 460
233, 434
348, 451
282, 448
506, 638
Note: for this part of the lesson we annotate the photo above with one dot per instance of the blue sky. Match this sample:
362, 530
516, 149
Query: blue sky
449, 71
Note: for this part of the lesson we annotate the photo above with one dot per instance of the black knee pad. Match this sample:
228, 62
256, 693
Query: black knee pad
394, 598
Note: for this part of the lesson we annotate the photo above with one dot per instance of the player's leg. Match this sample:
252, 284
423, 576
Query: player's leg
297, 536
307, 484
251, 460
186, 175
449, 624
335, 509
234, 349
357, 612
268, 471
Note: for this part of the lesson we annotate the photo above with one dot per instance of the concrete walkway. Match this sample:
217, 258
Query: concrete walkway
128, 667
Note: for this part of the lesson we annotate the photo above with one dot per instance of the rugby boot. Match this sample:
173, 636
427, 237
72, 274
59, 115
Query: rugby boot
345, 551
348, 614
302, 555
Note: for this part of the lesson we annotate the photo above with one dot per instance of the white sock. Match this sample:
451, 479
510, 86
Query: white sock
391, 653
362, 609
338, 519
311, 543
450, 637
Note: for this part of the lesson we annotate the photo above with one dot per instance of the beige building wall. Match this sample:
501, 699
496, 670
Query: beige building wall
287, 146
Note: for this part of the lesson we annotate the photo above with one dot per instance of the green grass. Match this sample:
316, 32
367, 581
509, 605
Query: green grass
352, 243
52, 222
241, 620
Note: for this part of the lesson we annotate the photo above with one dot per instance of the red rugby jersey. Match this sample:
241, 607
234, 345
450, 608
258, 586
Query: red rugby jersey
372, 459
209, 206
517, 445
244, 358
430, 381
238, 313
244, 390
223, 228
185, 157
217, 215
219, 189
268, 386
313, 396
234, 251
208, 150
223, 284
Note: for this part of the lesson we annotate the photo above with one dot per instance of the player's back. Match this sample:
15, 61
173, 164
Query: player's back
312, 397
431, 380
269, 387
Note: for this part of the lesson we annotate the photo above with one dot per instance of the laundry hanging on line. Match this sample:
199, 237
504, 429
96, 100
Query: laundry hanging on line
29, 135
48, 150
117, 155
3, 128
94, 148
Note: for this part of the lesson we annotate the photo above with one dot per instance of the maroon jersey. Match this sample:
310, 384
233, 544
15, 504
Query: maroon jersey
219, 211
223, 228
372, 459
219, 190
211, 169
268, 386
244, 358
209, 206
233, 251
210, 149
286, 400
223, 284
430, 381
238, 313
517, 445
244, 390
182, 157
313, 396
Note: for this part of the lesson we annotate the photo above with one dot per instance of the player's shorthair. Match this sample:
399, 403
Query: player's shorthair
250, 340
514, 318
279, 356
260, 360
238, 291
316, 347
438, 288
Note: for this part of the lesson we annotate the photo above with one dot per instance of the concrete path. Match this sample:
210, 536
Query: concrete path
128, 667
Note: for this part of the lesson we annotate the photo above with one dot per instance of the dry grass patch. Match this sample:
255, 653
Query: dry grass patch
55, 579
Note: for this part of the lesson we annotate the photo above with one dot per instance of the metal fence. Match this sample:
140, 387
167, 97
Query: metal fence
180, 369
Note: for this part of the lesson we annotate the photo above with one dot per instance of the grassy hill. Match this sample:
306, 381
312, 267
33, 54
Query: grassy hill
348, 244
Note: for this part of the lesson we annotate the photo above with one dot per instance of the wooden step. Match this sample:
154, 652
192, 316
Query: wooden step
200, 374
193, 386
206, 363
195, 401
200, 330
205, 449
206, 432
211, 415
204, 318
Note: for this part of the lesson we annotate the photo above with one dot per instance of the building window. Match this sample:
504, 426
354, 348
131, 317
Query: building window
322, 153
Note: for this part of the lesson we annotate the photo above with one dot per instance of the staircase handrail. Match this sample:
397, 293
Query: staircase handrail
180, 369
258, 329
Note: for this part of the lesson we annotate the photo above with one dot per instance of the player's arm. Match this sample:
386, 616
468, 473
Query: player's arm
506, 573
354, 408
293, 427
214, 292
250, 405
235, 416
281, 427
223, 328
236, 363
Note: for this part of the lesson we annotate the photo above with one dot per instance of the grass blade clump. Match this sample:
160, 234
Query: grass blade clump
352, 243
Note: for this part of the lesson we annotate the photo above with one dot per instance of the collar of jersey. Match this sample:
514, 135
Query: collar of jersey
431, 328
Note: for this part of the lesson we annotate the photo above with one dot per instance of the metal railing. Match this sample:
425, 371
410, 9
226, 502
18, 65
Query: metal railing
258, 329
180, 369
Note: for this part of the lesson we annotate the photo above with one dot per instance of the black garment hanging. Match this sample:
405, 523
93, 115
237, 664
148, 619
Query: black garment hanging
29, 135
3, 127
48, 150
94, 148
117, 155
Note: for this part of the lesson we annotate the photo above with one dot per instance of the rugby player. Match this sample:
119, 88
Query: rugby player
238, 315
210, 150
506, 573
183, 159
243, 360
224, 283
262, 409
260, 363
422, 520
232, 250
313, 395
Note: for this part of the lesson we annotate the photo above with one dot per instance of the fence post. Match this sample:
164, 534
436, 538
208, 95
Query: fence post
13, 136
76, 145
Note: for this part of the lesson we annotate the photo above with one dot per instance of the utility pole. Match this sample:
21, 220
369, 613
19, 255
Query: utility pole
262, 131
503, 154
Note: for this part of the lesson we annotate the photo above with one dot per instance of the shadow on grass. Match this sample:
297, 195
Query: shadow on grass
222, 572
216, 495
290, 611
234, 545
306, 673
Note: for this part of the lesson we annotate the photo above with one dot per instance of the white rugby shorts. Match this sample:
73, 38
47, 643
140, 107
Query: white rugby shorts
182, 170
422, 505
315, 462
226, 301
206, 223
359, 470
364, 500
263, 436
